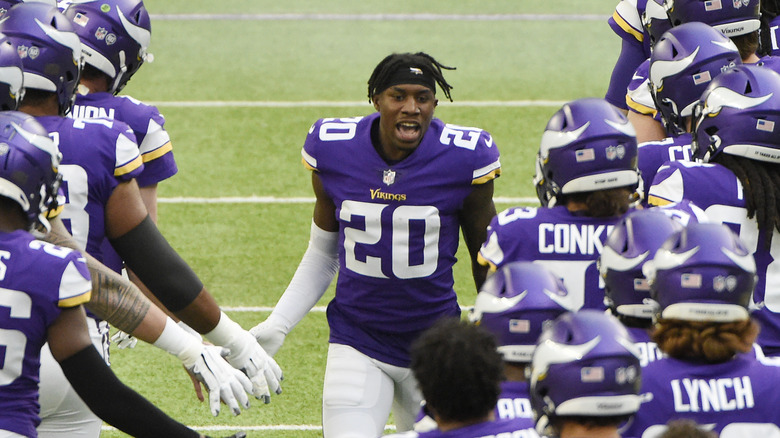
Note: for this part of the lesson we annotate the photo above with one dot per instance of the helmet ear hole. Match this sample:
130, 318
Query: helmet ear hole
748, 88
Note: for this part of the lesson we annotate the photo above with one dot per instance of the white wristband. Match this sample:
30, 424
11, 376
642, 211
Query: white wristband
190, 330
179, 343
225, 332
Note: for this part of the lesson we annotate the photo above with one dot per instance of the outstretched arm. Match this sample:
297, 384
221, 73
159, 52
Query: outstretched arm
141, 245
475, 216
123, 305
97, 385
315, 272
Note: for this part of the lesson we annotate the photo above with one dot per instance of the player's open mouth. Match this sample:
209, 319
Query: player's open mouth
408, 131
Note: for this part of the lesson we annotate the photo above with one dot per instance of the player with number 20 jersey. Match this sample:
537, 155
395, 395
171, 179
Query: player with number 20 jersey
408, 210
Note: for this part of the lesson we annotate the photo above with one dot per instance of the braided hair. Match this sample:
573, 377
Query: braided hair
761, 184
392, 63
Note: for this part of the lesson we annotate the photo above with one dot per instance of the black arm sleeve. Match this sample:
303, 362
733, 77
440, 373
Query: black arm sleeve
115, 402
158, 265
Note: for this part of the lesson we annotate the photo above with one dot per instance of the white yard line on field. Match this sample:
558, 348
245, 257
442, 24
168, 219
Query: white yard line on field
379, 17
344, 104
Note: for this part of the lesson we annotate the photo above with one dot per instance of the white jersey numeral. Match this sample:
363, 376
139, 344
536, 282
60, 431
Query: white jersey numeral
14, 341
371, 234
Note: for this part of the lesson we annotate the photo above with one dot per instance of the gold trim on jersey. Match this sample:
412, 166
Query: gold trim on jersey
129, 167
157, 153
658, 202
485, 262
485, 178
51, 214
641, 109
307, 165
627, 27
75, 301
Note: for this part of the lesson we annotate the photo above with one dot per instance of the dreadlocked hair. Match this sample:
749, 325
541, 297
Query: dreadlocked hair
712, 342
392, 62
761, 185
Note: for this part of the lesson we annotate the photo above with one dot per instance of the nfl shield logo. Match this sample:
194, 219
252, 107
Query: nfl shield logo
101, 33
388, 177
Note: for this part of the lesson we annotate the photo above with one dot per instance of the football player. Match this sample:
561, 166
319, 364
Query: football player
702, 278
115, 37
42, 289
735, 135
685, 59
514, 304
454, 358
393, 190
737, 20
100, 159
585, 376
586, 180
629, 246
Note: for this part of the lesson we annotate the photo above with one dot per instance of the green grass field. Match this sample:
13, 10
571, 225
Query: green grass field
228, 87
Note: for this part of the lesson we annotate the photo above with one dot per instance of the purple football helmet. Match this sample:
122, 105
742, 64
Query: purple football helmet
702, 273
632, 242
585, 364
739, 114
11, 76
28, 171
684, 61
115, 36
588, 145
655, 20
50, 51
730, 17
515, 303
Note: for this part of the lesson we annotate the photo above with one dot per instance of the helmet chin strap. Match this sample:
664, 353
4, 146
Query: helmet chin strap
121, 73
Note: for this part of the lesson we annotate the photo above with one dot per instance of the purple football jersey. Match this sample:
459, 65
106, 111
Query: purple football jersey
148, 127
737, 398
626, 22
37, 280
566, 243
648, 350
153, 141
653, 154
491, 429
97, 155
718, 192
398, 228
638, 97
513, 404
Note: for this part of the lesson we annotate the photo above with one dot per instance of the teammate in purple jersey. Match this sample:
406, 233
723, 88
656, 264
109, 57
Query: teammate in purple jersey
735, 135
586, 179
514, 304
115, 37
126, 219
738, 21
42, 289
629, 246
454, 358
684, 61
585, 376
626, 22
702, 278
393, 190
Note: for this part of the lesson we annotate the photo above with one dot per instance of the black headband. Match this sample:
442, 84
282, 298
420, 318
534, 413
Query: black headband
408, 74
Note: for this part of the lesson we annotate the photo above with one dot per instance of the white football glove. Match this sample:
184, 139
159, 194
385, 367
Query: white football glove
222, 381
207, 364
121, 340
270, 334
248, 356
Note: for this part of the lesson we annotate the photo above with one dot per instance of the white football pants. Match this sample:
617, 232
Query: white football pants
63, 413
359, 393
